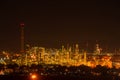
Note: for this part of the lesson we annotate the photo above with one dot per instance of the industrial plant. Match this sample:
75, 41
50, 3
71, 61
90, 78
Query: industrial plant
68, 61
70, 56
64, 56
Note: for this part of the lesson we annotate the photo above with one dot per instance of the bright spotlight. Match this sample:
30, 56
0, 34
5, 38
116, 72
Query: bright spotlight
33, 76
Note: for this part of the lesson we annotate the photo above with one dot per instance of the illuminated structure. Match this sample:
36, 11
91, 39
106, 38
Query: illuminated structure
70, 56
67, 56
97, 49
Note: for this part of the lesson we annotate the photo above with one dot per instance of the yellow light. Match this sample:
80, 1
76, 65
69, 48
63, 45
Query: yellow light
33, 76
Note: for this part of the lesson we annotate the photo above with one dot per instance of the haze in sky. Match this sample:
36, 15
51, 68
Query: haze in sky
56, 23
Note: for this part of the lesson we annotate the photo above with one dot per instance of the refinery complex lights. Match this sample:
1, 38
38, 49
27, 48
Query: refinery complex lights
65, 56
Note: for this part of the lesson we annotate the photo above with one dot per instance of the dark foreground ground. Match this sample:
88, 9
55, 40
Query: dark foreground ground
57, 72
25, 77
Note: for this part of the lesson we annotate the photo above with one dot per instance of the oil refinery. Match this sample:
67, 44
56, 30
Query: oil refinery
64, 56
70, 56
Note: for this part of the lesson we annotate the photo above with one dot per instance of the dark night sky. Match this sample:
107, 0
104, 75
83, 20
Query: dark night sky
53, 23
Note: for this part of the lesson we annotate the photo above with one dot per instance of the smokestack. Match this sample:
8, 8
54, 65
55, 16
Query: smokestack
22, 37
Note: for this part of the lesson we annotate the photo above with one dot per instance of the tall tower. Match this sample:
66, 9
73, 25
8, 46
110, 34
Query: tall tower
76, 48
22, 37
85, 58
98, 49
